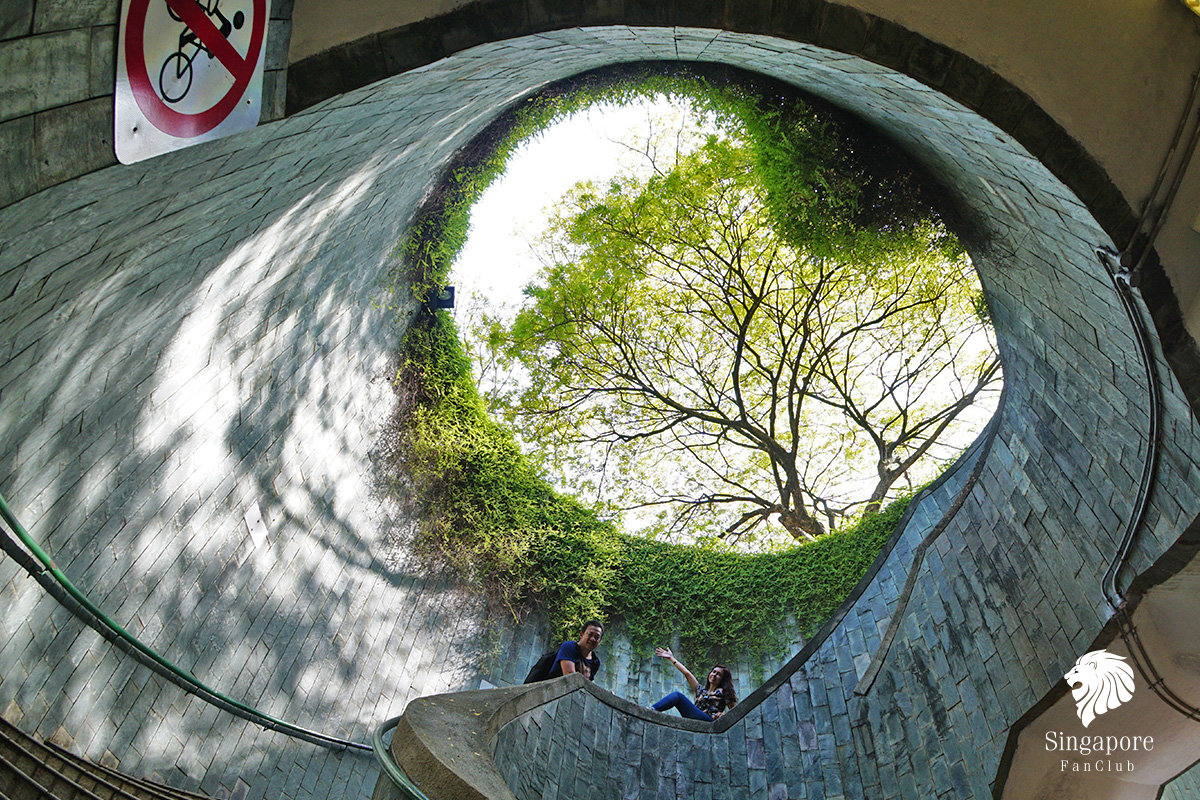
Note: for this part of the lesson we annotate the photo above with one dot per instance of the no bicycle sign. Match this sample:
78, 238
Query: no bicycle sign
187, 71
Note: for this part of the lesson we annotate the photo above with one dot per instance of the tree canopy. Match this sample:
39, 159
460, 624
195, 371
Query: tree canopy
768, 326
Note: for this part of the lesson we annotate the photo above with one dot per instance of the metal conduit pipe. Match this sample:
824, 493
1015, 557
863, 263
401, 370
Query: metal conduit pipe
1112, 591
48, 574
1111, 586
1148, 205
1169, 201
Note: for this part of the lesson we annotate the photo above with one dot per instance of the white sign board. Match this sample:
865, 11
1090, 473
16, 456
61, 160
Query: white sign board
187, 71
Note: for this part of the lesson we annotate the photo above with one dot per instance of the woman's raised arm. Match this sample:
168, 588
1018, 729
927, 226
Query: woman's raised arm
665, 652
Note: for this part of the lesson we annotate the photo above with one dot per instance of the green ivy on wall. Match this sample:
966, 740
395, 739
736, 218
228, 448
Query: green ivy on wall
506, 531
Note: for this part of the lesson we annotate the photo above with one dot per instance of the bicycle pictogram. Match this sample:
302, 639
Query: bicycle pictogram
187, 71
175, 76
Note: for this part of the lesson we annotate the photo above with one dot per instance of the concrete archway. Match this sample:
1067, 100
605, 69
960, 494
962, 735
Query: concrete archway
201, 336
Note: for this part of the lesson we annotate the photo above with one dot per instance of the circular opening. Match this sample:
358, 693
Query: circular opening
751, 335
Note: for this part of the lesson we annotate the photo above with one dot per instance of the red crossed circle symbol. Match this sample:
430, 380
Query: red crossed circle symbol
163, 117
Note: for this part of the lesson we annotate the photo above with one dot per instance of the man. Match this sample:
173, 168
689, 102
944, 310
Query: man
580, 656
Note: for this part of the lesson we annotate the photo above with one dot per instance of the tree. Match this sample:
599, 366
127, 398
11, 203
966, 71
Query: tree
734, 369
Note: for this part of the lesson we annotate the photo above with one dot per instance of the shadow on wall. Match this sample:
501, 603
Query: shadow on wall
157, 397
203, 337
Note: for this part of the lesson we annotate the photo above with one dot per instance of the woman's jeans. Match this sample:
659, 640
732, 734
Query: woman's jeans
685, 707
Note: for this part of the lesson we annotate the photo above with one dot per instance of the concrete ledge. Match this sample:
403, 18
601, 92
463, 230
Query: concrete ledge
443, 742
630, 709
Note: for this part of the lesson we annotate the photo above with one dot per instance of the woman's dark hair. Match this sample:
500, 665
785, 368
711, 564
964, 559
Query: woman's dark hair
726, 685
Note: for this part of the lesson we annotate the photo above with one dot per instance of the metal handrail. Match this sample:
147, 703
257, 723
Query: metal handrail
388, 765
1110, 586
96, 618
1121, 279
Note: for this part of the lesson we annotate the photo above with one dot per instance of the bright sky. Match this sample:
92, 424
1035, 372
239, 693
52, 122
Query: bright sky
497, 260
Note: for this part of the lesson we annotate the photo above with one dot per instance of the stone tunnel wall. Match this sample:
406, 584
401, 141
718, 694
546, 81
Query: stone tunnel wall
579, 747
1009, 595
202, 340
58, 62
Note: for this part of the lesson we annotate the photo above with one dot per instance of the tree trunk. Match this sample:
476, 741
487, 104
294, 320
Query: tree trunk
886, 479
799, 524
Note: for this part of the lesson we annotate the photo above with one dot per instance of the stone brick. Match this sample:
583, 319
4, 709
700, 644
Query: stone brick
843, 28
341, 68
410, 46
17, 176
752, 16
702, 14
888, 43
279, 39
484, 21
930, 62
16, 19
44, 71
274, 95
799, 20
1003, 104
546, 15
102, 70
57, 15
966, 80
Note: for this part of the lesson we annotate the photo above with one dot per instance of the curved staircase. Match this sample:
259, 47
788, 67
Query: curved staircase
31, 769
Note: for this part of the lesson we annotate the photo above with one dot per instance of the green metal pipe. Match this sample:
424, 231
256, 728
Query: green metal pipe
179, 676
383, 754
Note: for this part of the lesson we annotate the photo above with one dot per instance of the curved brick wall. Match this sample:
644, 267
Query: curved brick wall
1009, 595
202, 338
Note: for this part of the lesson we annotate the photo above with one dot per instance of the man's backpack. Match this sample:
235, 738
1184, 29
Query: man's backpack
540, 671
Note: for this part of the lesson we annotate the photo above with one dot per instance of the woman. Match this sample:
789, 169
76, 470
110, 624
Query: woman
712, 700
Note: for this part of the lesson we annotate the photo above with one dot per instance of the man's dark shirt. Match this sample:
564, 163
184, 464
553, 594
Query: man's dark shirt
570, 651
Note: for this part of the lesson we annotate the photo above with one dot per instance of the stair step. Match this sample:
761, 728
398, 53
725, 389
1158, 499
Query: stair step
145, 784
30, 768
40, 782
56, 778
